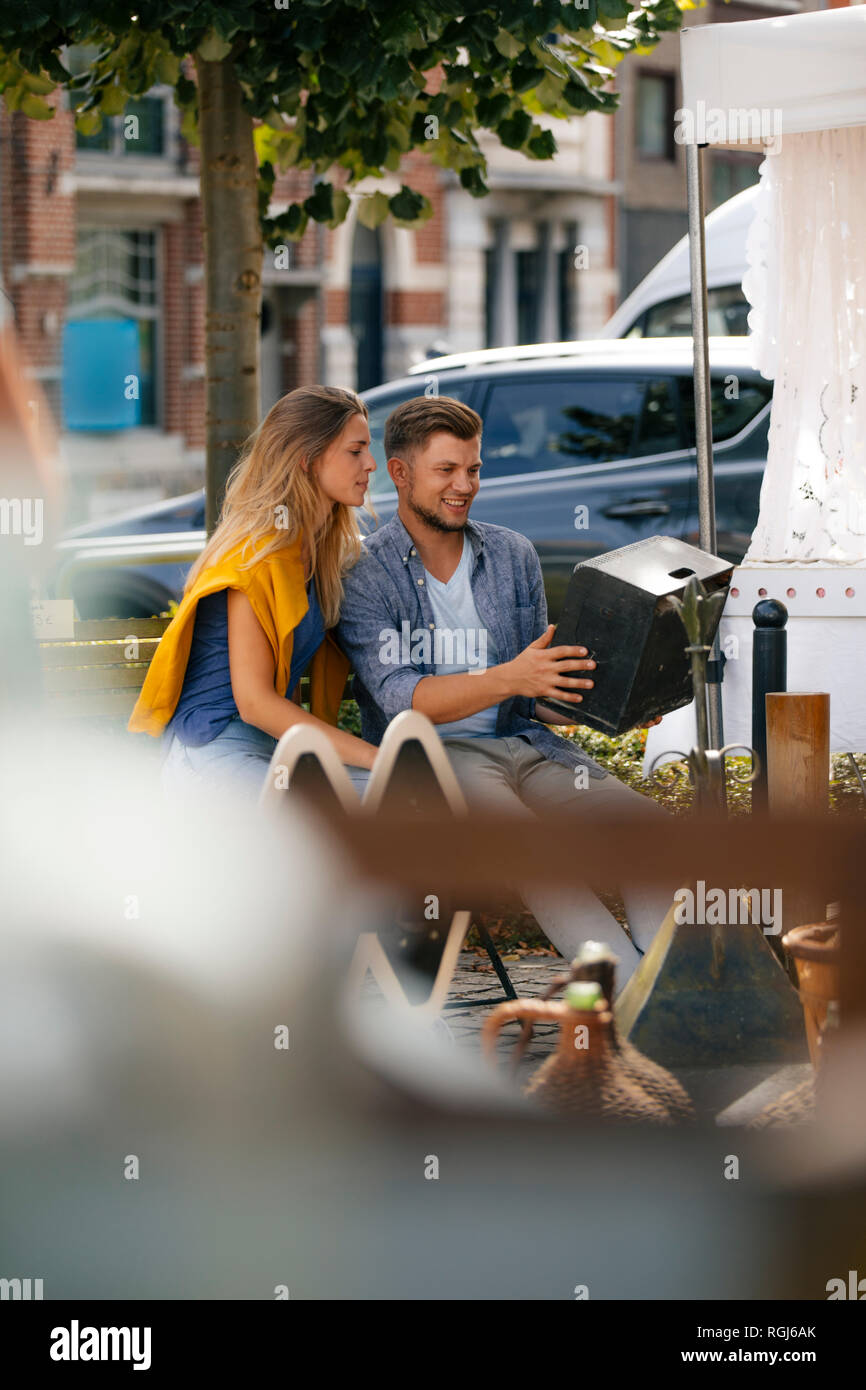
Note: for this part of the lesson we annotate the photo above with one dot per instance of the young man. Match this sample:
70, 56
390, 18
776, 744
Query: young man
449, 617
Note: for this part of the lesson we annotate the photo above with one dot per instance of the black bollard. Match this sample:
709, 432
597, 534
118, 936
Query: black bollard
769, 676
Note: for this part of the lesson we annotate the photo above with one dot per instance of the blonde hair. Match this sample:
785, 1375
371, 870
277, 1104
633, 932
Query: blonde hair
270, 498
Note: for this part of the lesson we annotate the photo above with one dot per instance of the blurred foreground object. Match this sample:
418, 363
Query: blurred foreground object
190, 1113
29, 494
710, 995
815, 948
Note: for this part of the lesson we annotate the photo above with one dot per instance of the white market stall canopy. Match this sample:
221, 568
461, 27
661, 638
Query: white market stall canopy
810, 68
799, 83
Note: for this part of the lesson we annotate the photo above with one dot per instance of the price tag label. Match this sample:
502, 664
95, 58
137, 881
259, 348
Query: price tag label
53, 619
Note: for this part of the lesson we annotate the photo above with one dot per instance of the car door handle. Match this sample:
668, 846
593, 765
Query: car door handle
639, 506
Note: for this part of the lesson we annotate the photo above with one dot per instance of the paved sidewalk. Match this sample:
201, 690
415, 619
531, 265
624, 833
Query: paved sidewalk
475, 977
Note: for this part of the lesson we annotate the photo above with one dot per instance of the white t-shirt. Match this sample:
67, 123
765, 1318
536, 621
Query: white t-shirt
461, 642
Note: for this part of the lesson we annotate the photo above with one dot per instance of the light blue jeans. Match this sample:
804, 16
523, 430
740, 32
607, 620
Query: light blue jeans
237, 758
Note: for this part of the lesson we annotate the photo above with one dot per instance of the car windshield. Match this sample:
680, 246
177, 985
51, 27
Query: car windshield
727, 316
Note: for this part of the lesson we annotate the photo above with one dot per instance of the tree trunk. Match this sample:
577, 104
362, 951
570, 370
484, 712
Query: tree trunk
233, 273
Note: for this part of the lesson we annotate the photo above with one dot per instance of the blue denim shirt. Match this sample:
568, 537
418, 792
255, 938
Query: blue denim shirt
387, 588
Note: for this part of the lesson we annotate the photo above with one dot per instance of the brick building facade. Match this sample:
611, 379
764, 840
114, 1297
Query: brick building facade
108, 228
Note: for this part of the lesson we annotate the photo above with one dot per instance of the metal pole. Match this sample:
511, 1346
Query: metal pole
769, 675
703, 416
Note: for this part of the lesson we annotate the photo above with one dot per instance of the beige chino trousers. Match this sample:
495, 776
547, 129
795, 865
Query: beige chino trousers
509, 775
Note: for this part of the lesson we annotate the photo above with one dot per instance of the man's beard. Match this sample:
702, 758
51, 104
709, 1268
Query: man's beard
432, 519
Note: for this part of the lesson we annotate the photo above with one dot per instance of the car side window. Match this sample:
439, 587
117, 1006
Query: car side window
379, 410
533, 425
734, 401
659, 428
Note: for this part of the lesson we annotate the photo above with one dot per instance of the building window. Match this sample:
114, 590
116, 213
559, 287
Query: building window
366, 317
530, 290
654, 108
528, 295
139, 131
115, 278
732, 171
567, 285
490, 291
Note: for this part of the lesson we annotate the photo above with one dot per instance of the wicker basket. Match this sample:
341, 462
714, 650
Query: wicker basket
596, 1074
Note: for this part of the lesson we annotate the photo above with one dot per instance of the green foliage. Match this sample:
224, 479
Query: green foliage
623, 756
341, 87
349, 719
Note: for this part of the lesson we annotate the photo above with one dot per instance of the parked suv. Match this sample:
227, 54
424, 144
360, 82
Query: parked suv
586, 447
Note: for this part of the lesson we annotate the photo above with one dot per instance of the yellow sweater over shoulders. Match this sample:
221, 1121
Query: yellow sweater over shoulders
275, 589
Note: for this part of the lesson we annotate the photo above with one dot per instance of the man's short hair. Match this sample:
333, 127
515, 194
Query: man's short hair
411, 425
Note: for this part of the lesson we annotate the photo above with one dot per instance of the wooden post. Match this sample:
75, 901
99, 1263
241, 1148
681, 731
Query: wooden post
798, 763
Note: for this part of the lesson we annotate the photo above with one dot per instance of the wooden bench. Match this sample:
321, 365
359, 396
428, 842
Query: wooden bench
99, 672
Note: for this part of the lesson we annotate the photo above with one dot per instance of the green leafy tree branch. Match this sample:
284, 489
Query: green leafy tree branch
344, 90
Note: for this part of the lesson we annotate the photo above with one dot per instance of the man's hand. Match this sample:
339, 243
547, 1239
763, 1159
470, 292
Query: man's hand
539, 672
542, 672
650, 722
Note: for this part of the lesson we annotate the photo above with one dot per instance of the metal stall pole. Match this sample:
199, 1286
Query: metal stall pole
703, 416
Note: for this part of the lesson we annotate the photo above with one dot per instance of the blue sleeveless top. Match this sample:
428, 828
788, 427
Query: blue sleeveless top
206, 703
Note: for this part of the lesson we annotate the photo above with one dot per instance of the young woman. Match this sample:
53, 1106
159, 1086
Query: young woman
260, 599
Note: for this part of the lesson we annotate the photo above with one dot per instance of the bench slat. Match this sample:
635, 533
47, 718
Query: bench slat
59, 654
105, 703
66, 678
93, 681
97, 629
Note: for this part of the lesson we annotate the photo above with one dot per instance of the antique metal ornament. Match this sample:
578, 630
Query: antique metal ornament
700, 614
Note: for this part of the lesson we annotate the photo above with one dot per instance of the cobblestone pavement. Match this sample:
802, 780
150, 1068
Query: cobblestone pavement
474, 978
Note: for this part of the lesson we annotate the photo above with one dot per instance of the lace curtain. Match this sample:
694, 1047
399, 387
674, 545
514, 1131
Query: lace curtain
807, 284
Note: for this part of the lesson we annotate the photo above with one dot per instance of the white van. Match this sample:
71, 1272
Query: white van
660, 306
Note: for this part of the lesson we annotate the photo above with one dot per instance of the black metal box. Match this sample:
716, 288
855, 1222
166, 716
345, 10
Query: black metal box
618, 607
